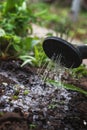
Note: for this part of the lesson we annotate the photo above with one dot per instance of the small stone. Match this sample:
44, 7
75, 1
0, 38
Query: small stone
4, 83
84, 122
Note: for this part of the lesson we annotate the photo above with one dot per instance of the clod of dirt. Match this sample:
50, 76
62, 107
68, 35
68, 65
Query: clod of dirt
13, 121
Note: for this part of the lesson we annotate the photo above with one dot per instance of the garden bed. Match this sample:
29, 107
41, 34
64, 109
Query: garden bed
27, 103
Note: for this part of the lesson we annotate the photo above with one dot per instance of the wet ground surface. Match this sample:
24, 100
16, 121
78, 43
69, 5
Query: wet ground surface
27, 103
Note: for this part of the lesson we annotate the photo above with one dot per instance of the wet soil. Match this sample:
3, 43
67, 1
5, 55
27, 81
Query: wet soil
27, 103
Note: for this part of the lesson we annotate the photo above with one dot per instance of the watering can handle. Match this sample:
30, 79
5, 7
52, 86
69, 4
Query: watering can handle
83, 51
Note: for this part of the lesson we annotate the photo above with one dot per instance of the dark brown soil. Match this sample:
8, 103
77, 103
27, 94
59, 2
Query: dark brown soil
27, 103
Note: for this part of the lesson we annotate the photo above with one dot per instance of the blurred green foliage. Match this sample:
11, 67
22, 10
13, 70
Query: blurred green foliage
79, 72
16, 19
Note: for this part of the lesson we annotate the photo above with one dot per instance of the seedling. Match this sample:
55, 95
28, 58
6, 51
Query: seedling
26, 92
15, 97
52, 106
32, 126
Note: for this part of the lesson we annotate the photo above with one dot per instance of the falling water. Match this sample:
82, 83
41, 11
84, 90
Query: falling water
52, 69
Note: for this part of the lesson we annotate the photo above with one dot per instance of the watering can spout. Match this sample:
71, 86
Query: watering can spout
71, 57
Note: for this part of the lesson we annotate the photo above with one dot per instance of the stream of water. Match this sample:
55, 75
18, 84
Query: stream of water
52, 69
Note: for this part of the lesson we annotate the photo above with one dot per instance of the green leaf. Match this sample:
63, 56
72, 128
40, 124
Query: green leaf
27, 59
11, 5
36, 52
24, 57
26, 62
41, 13
74, 88
54, 83
29, 43
17, 48
67, 86
2, 32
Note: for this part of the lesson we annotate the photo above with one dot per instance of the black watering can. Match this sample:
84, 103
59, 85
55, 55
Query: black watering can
71, 56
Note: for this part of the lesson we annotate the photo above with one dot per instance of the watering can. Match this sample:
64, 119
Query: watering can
70, 56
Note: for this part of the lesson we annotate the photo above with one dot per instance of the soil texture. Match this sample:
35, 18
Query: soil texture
27, 103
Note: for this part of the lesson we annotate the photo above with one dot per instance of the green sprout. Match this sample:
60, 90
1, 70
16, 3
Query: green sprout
15, 97
32, 126
26, 92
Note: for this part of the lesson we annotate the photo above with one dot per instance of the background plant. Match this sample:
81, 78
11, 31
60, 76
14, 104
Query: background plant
16, 17
80, 72
15, 22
